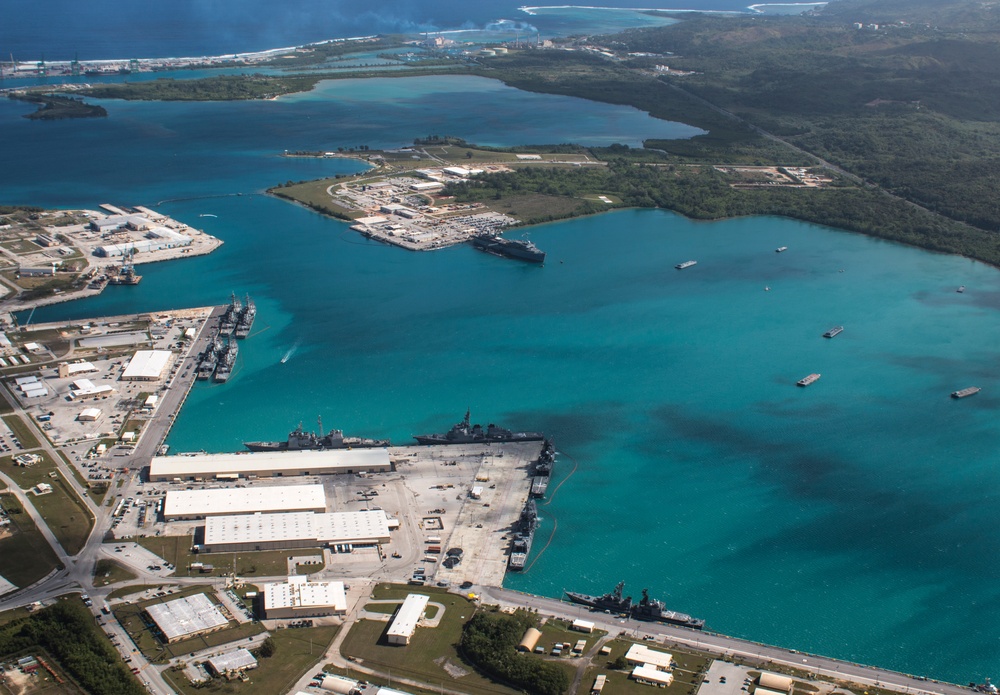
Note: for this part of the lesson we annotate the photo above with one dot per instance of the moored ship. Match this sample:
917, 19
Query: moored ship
520, 249
300, 440
524, 533
227, 360
962, 393
244, 320
227, 324
651, 609
833, 332
805, 381
612, 601
465, 433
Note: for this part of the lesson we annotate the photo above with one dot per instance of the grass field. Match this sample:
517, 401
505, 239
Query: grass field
35, 558
65, 515
110, 572
130, 616
21, 431
177, 551
21, 246
429, 650
64, 512
296, 652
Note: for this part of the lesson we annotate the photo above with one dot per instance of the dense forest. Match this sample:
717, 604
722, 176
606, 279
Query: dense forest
705, 193
490, 641
66, 631
221, 88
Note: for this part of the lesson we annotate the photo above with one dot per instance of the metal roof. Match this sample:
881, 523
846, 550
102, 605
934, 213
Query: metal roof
276, 498
186, 616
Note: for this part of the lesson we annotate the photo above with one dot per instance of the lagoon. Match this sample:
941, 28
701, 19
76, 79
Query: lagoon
853, 518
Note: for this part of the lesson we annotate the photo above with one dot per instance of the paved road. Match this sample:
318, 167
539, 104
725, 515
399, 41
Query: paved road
721, 645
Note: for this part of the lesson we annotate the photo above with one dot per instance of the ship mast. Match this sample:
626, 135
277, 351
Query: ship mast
319, 423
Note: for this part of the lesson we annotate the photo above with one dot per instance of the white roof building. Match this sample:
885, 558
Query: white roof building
232, 662
641, 654
300, 597
251, 532
405, 623
186, 617
74, 368
268, 464
652, 675
146, 365
774, 681
198, 504
89, 415
85, 388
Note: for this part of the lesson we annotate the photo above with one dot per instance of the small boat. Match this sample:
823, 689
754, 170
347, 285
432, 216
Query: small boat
685, 264
805, 381
962, 393
833, 332
780, 249
961, 289
767, 288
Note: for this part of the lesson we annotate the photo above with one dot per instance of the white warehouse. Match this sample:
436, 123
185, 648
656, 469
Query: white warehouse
199, 504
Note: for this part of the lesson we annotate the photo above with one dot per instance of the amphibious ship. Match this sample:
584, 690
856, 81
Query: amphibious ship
647, 609
464, 433
524, 533
519, 249
299, 440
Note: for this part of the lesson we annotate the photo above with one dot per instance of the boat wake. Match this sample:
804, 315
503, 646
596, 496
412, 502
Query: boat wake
207, 214
291, 351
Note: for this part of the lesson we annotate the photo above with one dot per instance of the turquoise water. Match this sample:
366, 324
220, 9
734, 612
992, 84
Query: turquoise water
852, 518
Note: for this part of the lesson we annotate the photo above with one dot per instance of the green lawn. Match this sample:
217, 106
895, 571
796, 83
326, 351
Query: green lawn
296, 652
177, 551
428, 651
110, 572
35, 558
65, 515
21, 431
558, 631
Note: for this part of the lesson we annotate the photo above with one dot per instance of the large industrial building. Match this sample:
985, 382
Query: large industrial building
300, 598
186, 617
252, 532
405, 623
268, 464
146, 365
199, 504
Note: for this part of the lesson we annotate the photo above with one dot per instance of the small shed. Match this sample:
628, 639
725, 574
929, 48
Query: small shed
582, 625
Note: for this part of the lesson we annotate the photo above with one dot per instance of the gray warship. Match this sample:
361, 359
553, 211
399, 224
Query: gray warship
465, 433
300, 440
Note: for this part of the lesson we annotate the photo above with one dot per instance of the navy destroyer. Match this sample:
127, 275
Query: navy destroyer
524, 534
613, 601
245, 317
648, 609
227, 324
654, 611
208, 360
520, 249
465, 433
300, 440
227, 360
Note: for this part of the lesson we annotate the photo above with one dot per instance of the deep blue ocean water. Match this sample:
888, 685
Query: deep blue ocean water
64, 29
852, 518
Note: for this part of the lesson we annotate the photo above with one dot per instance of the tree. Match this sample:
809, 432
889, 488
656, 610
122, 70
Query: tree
267, 648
